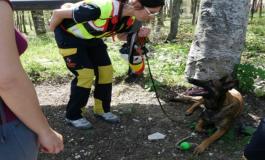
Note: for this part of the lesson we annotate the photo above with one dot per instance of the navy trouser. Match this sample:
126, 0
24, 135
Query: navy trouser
86, 59
255, 150
21, 142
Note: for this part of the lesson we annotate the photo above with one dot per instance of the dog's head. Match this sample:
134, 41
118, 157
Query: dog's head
211, 88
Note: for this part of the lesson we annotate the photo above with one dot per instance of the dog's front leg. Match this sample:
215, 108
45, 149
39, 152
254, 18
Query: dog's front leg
193, 107
207, 142
199, 127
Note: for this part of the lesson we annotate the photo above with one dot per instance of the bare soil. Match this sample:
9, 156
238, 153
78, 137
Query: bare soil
140, 115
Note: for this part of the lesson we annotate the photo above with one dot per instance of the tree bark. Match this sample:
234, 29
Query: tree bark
253, 9
136, 26
260, 8
219, 38
170, 8
38, 20
160, 22
30, 23
194, 12
174, 20
191, 6
23, 23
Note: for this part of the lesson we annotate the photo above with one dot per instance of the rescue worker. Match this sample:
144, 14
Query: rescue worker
78, 30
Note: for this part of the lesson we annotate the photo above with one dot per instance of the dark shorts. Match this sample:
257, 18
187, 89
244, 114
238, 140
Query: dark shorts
255, 150
21, 142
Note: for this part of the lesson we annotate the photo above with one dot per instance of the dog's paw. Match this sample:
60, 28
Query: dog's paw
188, 113
199, 149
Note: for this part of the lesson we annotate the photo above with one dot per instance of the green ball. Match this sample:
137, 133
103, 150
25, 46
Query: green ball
184, 145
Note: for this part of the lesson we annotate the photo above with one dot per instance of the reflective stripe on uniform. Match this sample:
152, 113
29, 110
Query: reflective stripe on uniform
105, 74
98, 108
82, 110
85, 77
68, 51
77, 32
116, 5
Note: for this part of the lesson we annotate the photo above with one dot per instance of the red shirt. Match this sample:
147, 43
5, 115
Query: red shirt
21, 46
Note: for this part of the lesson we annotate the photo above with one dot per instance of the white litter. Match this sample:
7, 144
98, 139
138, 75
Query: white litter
156, 136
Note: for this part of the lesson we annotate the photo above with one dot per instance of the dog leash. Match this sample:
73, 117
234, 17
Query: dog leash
157, 94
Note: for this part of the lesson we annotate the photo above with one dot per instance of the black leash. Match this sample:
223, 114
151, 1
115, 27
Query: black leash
157, 94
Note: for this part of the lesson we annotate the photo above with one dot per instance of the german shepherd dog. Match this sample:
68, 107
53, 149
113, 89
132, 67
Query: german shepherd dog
222, 105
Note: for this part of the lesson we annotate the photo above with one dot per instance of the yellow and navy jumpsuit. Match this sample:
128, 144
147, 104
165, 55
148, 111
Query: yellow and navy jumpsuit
85, 54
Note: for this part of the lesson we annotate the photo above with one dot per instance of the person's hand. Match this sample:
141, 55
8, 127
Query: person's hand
51, 142
48, 26
144, 32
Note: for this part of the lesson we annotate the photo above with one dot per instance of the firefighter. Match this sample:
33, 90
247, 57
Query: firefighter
79, 29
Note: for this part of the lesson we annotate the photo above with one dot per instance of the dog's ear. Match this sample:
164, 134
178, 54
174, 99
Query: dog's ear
230, 85
223, 79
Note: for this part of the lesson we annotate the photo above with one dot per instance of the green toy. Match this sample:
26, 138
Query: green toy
184, 145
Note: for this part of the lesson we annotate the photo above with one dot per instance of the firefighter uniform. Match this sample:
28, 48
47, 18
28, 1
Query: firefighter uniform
85, 54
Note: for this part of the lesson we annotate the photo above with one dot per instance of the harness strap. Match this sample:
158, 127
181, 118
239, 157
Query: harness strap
3, 117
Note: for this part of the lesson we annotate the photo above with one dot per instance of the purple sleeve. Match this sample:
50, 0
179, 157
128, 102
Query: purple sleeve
22, 44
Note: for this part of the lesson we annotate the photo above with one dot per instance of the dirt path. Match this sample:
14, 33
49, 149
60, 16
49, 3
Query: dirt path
140, 116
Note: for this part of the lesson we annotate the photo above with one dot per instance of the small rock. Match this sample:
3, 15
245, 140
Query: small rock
174, 155
193, 134
210, 154
78, 156
122, 127
85, 154
156, 136
150, 119
140, 129
255, 125
136, 120
115, 111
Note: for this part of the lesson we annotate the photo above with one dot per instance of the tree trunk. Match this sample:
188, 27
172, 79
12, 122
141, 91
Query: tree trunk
191, 6
160, 22
219, 38
170, 8
23, 23
260, 8
30, 24
153, 23
136, 26
252, 9
165, 11
174, 20
194, 12
38, 20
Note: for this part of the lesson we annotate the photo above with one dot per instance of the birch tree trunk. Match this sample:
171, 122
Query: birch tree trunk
219, 38
174, 20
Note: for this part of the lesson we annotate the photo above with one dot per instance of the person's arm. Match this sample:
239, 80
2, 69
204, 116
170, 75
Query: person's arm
143, 32
17, 90
79, 14
58, 16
